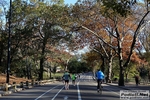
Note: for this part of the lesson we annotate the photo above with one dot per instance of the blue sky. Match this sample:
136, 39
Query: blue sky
70, 1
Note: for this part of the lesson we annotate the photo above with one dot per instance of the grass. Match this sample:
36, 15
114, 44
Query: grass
53, 76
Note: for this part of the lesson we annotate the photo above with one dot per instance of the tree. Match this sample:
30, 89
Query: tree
51, 32
36, 27
122, 7
54, 70
75, 66
112, 24
3, 35
92, 58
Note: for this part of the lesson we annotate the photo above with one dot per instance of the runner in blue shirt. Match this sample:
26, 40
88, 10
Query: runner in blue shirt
66, 78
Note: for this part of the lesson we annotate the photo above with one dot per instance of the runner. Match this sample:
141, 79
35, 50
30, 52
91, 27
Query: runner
73, 77
66, 78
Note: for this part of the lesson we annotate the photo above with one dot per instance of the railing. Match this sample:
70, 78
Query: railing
7, 89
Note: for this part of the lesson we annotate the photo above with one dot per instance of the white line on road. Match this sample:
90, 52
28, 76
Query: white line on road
66, 97
46, 92
57, 93
79, 95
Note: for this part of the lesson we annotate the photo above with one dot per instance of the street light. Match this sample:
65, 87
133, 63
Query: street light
9, 40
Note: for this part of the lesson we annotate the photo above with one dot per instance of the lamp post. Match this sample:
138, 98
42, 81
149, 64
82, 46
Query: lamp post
9, 40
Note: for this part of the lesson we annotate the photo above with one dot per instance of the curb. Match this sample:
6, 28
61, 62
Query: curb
6, 93
127, 87
123, 87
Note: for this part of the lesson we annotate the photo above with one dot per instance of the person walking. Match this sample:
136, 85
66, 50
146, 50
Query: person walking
66, 78
79, 76
99, 76
136, 80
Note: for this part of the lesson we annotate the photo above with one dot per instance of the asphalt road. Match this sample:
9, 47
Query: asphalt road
85, 89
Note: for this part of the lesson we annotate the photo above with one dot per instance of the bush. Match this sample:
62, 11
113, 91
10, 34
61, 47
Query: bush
58, 78
115, 79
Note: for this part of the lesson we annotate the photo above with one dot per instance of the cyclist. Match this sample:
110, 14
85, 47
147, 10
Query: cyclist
66, 78
99, 77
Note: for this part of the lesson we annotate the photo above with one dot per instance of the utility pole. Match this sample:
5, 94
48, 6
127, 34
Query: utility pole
9, 42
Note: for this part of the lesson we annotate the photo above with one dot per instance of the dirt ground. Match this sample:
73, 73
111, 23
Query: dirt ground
11, 79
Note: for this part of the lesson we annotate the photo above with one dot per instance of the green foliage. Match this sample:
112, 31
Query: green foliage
58, 2
122, 7
130, 71
75, 66
26, 21
115, 71
143, 72
54, 69
38, 25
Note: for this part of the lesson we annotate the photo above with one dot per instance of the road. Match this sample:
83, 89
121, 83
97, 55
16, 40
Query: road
85, 89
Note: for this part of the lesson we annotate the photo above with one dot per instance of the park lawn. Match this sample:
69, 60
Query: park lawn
53, 76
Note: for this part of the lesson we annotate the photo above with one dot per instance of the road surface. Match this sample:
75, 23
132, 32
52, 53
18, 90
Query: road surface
85, 89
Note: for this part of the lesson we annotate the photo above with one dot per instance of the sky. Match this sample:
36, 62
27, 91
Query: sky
70, 1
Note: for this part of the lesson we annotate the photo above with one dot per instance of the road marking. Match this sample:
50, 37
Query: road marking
79, 95
66, 97
46, 92
108, 89
57, 93
112, 91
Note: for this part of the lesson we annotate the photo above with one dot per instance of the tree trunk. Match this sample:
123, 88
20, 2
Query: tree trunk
126, 76
109, 80
50, 72
121, 74
42, 60
41, 69
121, 77
30, 71
102, 65
27, 68
1, 53
110, 58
